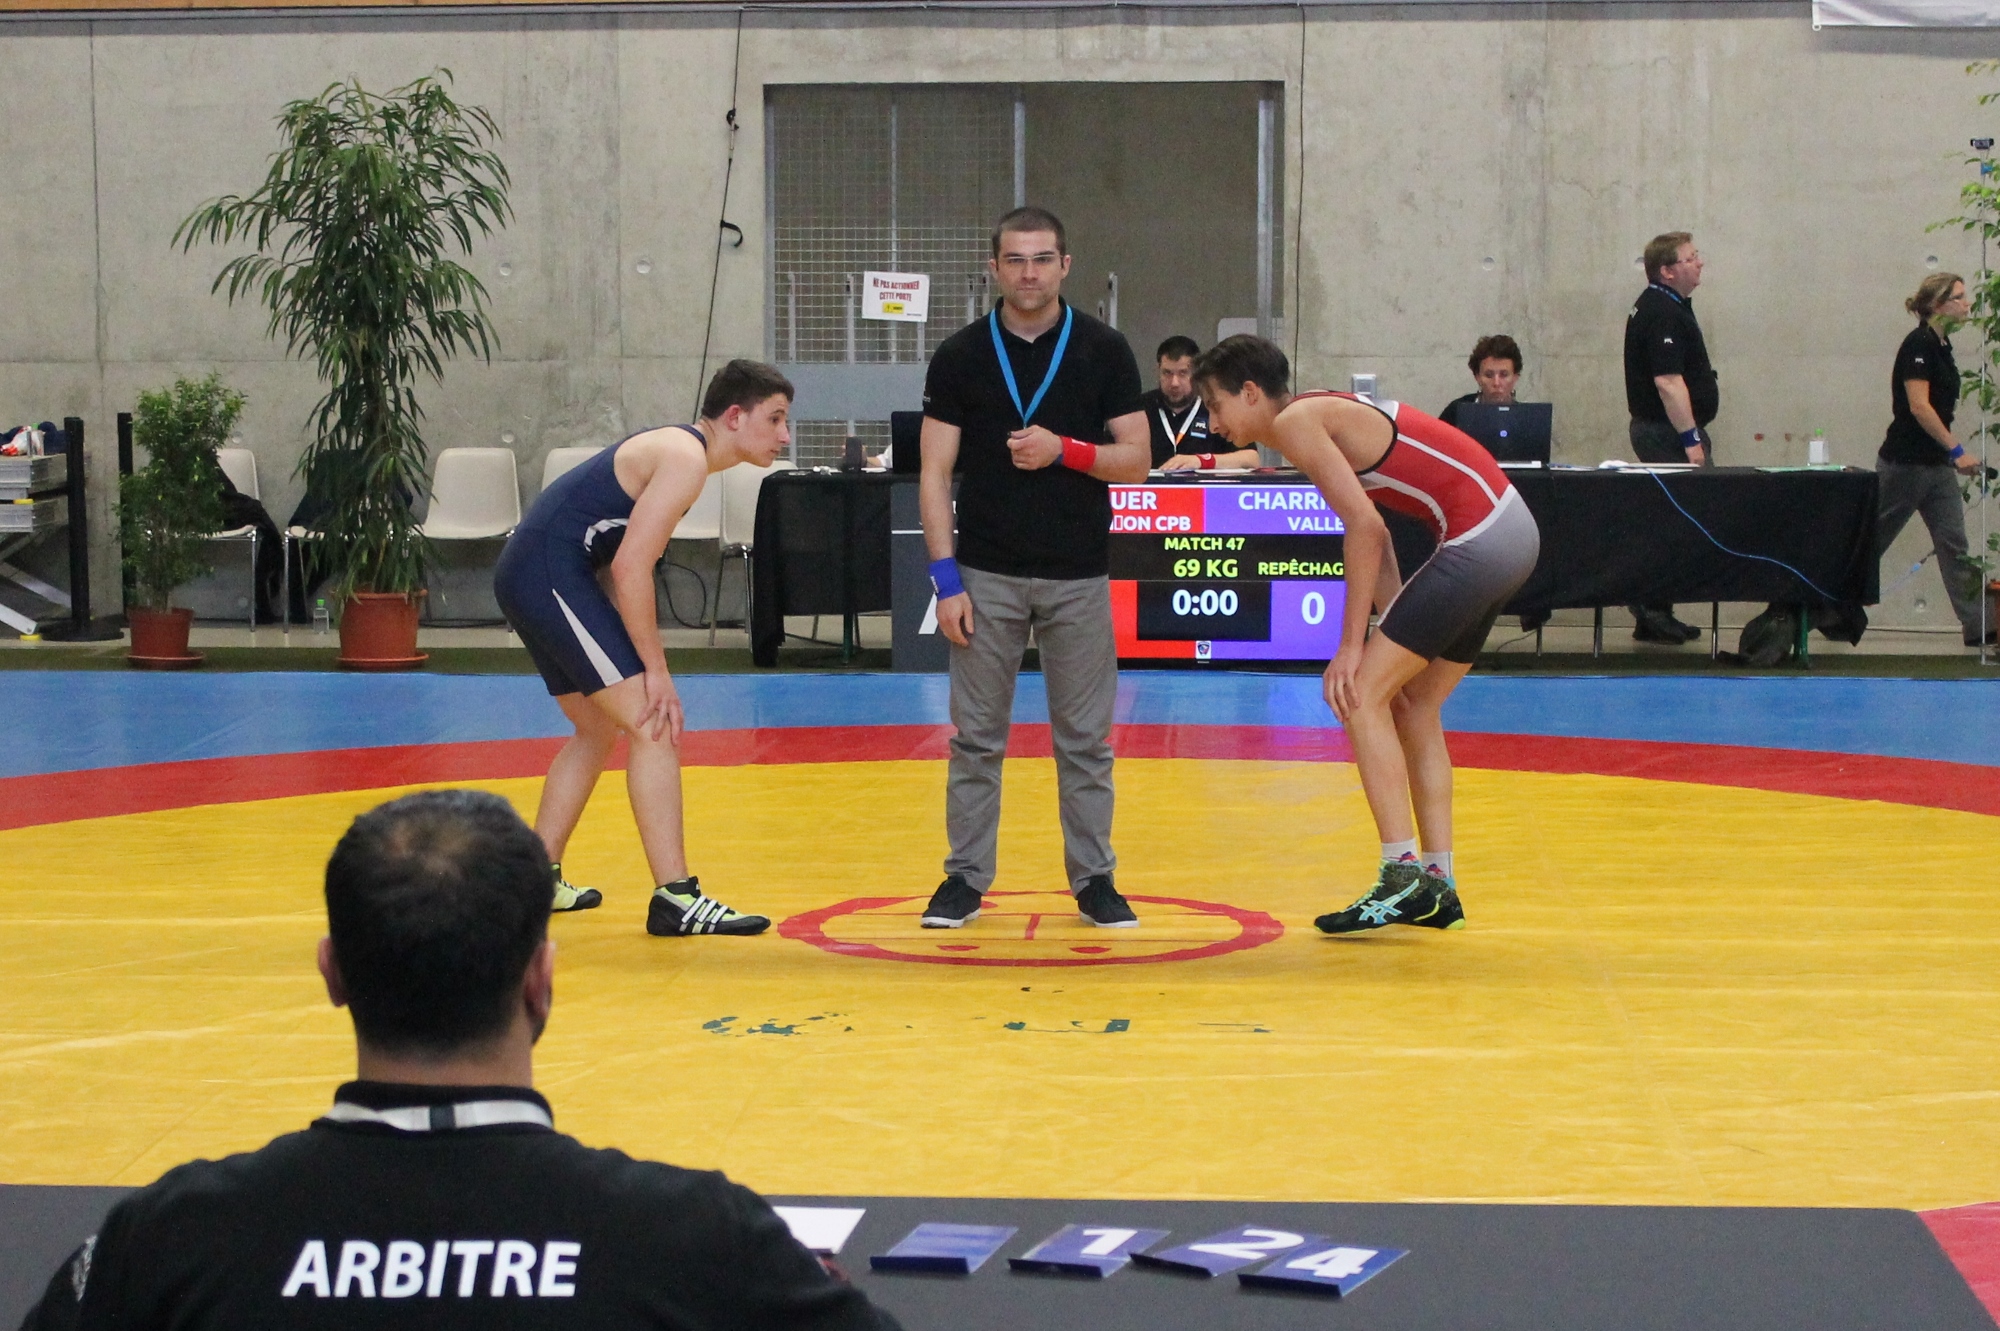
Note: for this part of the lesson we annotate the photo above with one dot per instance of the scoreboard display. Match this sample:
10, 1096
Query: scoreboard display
1245, 571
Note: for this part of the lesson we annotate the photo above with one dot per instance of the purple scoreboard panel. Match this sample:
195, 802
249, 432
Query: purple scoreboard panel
1226, 571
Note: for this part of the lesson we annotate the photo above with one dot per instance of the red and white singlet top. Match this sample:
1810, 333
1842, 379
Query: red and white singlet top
1433, 472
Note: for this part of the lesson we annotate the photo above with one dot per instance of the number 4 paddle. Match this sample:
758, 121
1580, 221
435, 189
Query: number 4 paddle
1334, 1270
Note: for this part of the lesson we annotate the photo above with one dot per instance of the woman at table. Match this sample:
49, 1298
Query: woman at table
1921, 459
600, 653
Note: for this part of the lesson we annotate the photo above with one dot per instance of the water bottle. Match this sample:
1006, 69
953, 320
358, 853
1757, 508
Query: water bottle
1816, 449
322, 621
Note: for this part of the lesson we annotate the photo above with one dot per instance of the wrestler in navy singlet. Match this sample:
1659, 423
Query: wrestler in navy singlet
546, 581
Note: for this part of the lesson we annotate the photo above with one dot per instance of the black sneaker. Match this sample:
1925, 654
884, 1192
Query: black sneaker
571, 897
680, 908
1403, 894
1449, 914
1099, 904
953, 906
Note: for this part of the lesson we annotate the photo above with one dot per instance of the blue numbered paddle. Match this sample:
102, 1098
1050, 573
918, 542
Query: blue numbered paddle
950, 1249
1085, 1250
1219, 1254
1334, 1269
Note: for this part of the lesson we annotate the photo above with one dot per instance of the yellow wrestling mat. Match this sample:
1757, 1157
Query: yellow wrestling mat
1667, 994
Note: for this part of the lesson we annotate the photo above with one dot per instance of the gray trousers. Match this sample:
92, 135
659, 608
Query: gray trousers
1072, 624
1933, 492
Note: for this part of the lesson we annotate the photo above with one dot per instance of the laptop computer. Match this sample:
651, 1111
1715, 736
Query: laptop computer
1516, 432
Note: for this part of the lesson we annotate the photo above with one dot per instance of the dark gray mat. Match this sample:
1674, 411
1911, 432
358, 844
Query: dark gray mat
38, 1228
1470, 1268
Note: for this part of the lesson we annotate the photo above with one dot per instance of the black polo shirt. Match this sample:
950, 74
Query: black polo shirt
420, 1223
1925, 354
1163, 423
1051, 522
1662, 337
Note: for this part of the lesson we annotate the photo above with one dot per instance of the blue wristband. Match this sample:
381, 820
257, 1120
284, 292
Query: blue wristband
944, 578
1957, 452
1692, 438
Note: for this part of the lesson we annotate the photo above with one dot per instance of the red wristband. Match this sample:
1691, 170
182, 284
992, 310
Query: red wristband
1077, 455
1207, 461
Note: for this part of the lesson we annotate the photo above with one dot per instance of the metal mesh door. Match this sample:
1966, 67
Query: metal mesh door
898, 179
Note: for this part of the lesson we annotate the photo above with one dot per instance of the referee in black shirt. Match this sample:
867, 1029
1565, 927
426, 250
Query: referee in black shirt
1669, 387
1038, 405
436, 1193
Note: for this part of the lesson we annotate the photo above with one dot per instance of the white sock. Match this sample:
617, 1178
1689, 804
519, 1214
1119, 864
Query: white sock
1439, 860
1396, 850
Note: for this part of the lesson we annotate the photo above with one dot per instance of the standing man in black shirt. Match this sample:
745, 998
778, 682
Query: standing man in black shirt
1919, 454
436, 1193
1669, 387
1038, 404
1178, 421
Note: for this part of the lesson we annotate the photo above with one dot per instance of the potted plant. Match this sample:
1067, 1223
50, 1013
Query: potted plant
353, 231
169, 508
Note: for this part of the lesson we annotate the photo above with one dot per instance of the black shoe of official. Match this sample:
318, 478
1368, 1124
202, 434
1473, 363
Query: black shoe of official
1661, 627
1403, 894
679, 909
953, 906
1100, 904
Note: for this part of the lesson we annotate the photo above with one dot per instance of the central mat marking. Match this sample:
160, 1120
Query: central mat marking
1032, 929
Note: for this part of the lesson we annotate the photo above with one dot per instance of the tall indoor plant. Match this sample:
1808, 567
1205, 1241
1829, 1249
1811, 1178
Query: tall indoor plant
1979, 201
169, 508
353, 231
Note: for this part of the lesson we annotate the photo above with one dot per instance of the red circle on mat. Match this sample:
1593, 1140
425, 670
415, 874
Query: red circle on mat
1253, 928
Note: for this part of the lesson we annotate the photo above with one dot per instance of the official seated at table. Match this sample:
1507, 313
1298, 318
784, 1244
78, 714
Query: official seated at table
1495, 363
1179, 422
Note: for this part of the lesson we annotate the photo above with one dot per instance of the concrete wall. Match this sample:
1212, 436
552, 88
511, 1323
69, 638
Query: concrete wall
1420, 143
1158, 184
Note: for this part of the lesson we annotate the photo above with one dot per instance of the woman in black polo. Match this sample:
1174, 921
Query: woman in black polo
1920, 456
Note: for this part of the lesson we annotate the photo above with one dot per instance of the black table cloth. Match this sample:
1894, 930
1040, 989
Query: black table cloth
1609, 537
821, 547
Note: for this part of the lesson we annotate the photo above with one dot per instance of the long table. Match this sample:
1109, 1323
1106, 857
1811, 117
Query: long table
1610, 537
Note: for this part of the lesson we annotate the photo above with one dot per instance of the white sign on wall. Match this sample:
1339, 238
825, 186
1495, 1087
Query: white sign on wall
897, 297
1906, 13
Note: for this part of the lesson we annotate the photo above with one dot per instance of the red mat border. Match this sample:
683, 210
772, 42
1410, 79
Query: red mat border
1970, 1236
28, 801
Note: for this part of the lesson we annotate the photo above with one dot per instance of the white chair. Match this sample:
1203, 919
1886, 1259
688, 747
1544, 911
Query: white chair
741, 484
561, 460
702, 522
240, 466
475, 495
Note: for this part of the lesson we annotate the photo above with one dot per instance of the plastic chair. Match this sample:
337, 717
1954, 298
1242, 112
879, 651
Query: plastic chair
702, 522
475, 495
240, 466
561, 460
741, 484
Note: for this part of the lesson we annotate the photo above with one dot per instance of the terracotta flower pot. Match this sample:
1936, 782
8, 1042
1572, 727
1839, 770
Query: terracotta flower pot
378, 631
160, 638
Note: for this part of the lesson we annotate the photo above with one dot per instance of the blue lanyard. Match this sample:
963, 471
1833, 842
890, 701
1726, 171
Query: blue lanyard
1007, 366
1667, 291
